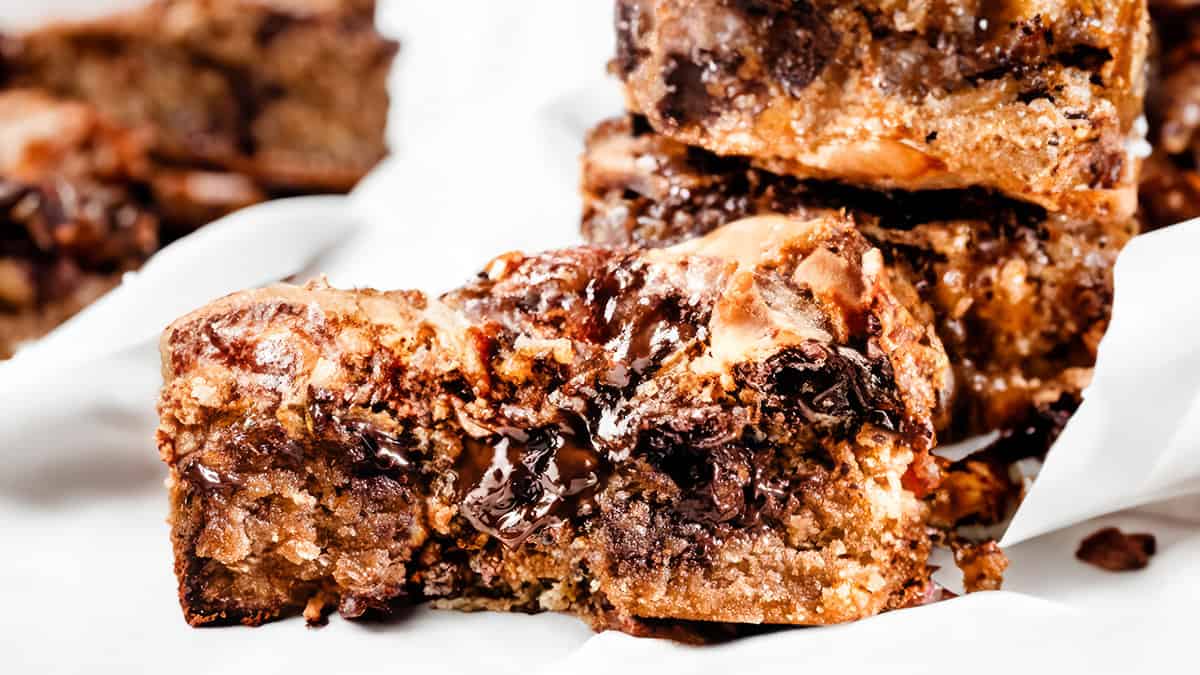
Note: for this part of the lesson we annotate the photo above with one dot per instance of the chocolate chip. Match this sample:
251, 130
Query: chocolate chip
639, 126
273, 25
798, 40
799, 45
1113, 550
687, 99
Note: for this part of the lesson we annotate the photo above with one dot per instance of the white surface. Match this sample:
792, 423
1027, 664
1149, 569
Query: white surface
493, 102
18, 14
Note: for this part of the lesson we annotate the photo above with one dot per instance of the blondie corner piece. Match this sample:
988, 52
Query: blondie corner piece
735, 429
1037, 100
291, 94
1019, 297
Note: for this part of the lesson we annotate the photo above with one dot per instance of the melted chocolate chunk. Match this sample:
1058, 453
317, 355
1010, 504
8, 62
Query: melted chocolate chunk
640, 324
688, 99
710, 456
814, 383
388, 451
198, 473
370, 449
799, 41
527, 482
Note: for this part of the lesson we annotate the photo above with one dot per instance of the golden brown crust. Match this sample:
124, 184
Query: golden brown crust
1037, 100
711, 432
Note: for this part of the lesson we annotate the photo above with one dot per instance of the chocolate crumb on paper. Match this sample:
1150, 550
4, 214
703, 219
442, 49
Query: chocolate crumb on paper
1115, 551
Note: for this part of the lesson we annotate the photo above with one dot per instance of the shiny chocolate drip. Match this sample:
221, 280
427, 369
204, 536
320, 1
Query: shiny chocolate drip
514, 484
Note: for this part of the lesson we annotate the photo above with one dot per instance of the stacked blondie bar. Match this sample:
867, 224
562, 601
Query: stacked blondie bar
828, 237
986, 148
124, 133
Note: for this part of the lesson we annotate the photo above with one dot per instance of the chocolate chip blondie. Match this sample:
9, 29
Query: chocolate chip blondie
1036, 100
1020, 297
733, 429
289, 93
71, 217
125, 133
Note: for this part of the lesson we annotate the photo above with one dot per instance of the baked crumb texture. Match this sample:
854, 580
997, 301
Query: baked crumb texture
1036, 100
734, 429
1170, 190
125, 133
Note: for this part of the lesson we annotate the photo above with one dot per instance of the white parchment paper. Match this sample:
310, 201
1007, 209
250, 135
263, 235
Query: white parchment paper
492, 101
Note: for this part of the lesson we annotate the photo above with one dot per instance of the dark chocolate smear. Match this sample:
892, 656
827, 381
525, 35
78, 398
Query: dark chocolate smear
528, 481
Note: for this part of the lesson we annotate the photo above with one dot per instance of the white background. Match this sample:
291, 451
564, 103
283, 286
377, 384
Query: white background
492, 100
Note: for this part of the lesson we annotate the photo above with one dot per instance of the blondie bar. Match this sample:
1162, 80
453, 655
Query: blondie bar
131, 131
1020, 297
289, 93
734, 429
70, 224
1038, 100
